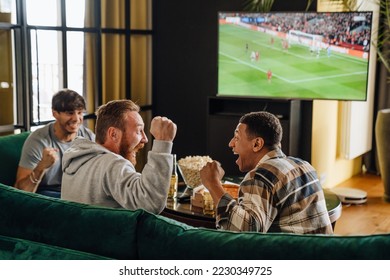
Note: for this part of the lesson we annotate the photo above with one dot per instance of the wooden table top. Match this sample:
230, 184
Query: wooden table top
183, 211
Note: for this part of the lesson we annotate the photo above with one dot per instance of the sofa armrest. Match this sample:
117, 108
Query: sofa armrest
10, 151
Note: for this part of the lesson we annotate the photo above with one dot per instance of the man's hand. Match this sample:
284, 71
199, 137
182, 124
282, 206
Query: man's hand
163, 128
27, 179
49, 157
211, 175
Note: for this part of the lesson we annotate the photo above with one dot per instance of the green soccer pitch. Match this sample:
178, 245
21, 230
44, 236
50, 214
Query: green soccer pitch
297, 72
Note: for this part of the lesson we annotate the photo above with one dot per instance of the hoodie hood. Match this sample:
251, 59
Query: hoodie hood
81, 151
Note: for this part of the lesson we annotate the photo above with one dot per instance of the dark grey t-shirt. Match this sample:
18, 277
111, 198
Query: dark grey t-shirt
32, 153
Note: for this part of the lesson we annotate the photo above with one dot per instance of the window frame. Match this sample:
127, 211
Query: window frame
23, 88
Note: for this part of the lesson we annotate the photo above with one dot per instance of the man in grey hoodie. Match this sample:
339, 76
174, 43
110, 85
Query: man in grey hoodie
103, 173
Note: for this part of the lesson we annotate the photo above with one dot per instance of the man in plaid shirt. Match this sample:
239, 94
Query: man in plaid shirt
279, 193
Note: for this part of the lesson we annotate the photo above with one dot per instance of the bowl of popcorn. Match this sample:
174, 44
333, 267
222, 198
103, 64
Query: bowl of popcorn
189, 168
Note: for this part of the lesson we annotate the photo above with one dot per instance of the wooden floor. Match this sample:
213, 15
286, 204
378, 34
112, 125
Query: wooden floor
372, 217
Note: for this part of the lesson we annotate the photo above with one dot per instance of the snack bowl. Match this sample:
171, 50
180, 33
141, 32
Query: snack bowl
189, 168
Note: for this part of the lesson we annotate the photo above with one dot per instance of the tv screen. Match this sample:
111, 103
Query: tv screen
294, 55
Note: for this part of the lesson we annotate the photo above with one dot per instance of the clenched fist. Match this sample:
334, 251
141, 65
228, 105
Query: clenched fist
49, 157
211, 174
163, 128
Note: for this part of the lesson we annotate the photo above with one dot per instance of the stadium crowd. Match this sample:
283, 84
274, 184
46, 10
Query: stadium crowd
336, 28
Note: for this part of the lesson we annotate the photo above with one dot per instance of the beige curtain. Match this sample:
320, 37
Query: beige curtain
113, 55
90, 66
113, 51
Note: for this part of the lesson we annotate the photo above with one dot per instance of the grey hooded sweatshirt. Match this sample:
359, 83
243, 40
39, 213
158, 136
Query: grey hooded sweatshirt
94, 175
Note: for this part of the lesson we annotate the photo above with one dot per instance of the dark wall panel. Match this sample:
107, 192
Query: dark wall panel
185, 64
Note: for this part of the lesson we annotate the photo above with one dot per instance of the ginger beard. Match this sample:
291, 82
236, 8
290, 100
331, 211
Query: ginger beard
133, 137
128, 152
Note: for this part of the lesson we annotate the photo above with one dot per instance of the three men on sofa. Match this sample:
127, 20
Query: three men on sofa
278, 193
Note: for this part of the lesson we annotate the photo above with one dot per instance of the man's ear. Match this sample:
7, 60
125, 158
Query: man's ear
55, 113
258, 144
113, 134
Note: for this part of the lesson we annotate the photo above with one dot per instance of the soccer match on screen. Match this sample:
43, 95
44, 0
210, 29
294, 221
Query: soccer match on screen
305, 55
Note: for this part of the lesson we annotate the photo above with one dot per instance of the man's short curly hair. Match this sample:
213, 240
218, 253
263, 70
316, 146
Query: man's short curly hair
67, 100
265, 125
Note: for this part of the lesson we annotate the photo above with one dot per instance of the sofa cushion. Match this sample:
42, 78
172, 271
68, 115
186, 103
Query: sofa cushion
10, 151
103, 231
20, 249
163, 238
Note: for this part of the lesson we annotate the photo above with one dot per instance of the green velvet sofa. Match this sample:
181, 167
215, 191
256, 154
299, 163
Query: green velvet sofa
33, 226
20, 249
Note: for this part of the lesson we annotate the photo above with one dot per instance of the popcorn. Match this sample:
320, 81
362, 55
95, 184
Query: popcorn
189, 168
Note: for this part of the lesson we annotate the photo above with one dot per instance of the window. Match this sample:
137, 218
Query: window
100, 48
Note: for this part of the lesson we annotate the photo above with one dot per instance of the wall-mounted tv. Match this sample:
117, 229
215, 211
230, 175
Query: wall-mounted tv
294, 55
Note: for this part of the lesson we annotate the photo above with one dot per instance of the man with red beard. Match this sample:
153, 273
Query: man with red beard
40, 168
279, 193
103, 173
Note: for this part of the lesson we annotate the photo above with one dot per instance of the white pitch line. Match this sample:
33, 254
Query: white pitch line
291, 81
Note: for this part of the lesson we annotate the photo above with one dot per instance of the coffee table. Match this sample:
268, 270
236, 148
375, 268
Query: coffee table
182, 211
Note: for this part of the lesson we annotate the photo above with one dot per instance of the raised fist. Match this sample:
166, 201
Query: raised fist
49, 157
163, 128
211, 174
